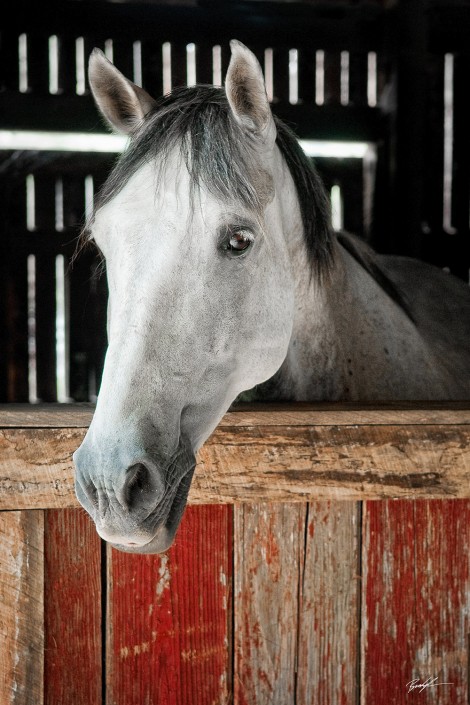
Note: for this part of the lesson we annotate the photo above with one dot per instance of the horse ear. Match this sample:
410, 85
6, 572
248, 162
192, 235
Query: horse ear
246, 93
123, 104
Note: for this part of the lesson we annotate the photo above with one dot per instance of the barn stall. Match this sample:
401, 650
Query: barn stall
325, 557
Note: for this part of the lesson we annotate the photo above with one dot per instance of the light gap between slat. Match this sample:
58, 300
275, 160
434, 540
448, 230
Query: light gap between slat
23, 85
62, 376
59, 205
372, 79
53, 64
30, 203
448, 143
293, 76
137, 62
344, 78
337, 208
80, 78
269, 73
191, 64
109, 50
31, 297
217, 65
89, 195
319, 77
166, 59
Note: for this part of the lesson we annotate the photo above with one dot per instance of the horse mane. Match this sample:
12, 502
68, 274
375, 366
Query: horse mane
369, 261
217, 153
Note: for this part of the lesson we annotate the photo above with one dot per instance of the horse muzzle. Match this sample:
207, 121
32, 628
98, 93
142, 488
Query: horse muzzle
136, 508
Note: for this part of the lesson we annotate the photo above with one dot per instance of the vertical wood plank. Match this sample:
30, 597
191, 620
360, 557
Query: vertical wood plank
358, 70
21, 607
73, 654
407, 193
416, 601
14, 289
123, 55
352, 192
332, 78
329, 614
38, 63
268, 552
307, 75
281, 75
67, 65
45, 289
9, 63
225, 56
13, 294
169, 617
45, 327
204, 63
179, 73
152, 67
456, 248
434, 249
80, 329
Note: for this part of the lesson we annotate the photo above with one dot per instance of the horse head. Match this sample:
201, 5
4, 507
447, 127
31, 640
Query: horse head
191, 224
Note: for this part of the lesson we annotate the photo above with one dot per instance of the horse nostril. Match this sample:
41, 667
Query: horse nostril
92, 493
87, 493
137, 484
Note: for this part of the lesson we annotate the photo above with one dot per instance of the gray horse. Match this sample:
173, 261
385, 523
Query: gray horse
224, 275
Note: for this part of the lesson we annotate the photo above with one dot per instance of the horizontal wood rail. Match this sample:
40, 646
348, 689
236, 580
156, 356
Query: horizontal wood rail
290, 452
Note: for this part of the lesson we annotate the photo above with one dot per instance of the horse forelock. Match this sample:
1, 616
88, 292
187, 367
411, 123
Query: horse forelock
220, 155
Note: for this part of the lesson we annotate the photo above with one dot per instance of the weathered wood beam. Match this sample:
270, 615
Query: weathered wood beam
279, 453
22, 608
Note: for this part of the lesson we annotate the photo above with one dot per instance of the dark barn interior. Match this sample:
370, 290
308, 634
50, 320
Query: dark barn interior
392, 76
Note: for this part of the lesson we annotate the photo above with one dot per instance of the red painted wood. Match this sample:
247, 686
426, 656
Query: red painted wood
416, 601
169, 617
72, 609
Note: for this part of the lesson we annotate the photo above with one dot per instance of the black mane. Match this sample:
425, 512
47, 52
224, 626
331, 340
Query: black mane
218, 155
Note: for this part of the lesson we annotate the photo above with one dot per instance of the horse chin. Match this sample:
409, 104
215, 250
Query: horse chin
161, 542
165, 533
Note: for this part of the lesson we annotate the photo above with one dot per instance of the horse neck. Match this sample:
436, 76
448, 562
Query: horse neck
349, 339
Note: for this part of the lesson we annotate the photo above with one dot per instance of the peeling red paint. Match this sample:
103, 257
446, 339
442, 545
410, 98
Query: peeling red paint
72, 610
417, 599
170, 630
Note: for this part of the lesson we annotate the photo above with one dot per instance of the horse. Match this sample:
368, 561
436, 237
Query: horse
225, 275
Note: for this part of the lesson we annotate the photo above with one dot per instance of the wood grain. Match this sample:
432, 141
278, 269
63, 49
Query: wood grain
46, 415
21, 608
416, 601
36, 468
331, 462
285, 414
268, 549
169, 616
257, 463
72, 587
329, 621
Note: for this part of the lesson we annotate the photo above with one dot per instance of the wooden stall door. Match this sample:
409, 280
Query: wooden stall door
276, 603
332, 602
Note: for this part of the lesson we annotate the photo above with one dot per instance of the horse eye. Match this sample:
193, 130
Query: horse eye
239, 241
